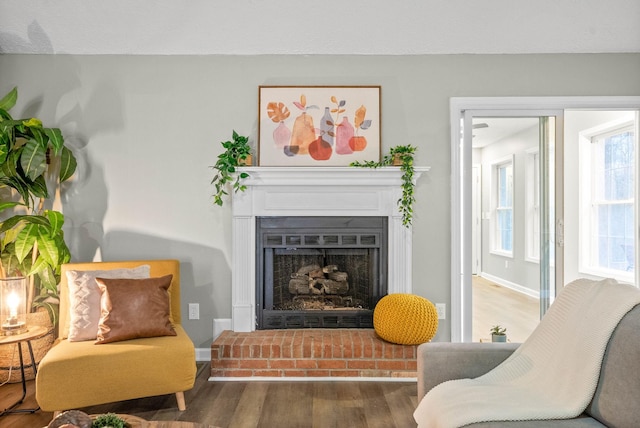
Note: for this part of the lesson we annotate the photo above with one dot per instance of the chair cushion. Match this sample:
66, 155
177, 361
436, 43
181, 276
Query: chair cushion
134, 308
79, 374
405, 319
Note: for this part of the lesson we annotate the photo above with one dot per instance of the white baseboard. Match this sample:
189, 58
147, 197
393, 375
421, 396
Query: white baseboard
220, 325
511, 285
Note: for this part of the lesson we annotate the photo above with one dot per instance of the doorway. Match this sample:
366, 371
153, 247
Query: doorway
551, 181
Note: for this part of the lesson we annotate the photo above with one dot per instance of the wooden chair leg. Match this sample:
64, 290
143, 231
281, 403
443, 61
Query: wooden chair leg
180, 399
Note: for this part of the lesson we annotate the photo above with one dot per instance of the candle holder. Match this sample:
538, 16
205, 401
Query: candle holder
13, 306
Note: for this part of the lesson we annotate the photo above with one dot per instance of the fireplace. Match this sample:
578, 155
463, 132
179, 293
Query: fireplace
290, 192
324, 272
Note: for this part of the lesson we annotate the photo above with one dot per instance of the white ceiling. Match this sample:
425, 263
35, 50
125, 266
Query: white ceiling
498, 129
368, 27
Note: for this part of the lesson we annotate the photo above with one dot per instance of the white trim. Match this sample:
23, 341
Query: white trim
220, 325
315, 191
311, 379
511, 285
460, 326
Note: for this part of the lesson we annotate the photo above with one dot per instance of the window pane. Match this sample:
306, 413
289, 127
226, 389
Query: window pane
613, 203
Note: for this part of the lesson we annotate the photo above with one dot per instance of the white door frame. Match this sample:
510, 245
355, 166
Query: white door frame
461, 193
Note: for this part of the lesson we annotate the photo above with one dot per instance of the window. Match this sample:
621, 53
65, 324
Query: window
608, 219
502, 172
532, 215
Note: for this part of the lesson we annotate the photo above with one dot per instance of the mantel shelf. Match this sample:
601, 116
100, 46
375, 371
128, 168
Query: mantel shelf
336, 176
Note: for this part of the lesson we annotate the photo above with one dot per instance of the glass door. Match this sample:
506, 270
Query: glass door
514, 271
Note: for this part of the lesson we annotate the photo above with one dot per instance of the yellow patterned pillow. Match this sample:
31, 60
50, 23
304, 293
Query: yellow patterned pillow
405, 319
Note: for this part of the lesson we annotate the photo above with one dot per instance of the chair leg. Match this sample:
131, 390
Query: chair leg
180, 399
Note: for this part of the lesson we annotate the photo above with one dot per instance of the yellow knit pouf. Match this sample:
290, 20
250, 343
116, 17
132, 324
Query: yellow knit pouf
405, 319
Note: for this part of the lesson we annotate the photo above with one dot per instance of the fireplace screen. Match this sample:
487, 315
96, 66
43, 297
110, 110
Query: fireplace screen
320, 271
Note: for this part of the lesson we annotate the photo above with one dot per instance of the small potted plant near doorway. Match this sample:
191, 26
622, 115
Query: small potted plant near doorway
237, 153
498, 333
401, 156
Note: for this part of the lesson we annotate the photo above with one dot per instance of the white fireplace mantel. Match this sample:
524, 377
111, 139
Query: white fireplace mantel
314, 191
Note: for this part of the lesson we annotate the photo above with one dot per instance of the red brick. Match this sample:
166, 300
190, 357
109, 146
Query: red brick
254, 363
267, 373
391, 364
306, 364
318, 373
282, 364
294, 373
345, 373
361, 364
332, 364
239, 373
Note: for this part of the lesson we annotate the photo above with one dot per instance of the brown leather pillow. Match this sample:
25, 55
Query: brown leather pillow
134, 308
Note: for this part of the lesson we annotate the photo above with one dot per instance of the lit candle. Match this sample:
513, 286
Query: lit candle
13, 300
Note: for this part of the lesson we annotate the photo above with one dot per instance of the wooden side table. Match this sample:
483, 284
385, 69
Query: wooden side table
34, 332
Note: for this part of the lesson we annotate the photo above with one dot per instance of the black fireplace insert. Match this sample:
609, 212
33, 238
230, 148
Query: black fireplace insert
323, 272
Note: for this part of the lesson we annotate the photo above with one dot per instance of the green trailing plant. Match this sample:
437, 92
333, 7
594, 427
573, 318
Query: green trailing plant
404, 154
108, 420
498, 330
34, 161
236, 153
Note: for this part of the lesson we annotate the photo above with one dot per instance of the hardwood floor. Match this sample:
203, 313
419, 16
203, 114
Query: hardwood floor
297, 404
493, 304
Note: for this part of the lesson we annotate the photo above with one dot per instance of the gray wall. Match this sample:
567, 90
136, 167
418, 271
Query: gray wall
147, 128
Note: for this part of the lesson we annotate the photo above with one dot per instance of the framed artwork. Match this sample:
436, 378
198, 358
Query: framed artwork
318, 125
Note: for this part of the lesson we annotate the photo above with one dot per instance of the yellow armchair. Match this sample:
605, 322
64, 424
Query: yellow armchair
79, 374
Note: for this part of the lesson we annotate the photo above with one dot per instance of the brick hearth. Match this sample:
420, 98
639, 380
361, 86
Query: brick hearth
310, 353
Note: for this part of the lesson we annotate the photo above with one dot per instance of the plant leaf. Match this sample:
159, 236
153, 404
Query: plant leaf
277, 112
303, 100
33, 159
366, 124
25, 240
297, 104
360, 114
334, 99
55, 138
9, 100
47, 247
68, 164
56, 220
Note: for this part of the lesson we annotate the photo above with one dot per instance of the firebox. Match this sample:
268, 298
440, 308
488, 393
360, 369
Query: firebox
323, 272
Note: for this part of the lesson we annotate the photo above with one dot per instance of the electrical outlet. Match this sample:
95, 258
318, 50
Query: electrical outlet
442, 311
194, 311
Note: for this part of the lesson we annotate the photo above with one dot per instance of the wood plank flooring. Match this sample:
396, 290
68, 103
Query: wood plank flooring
493, 304
298, 404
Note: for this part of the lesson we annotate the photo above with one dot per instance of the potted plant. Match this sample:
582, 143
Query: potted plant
34, 161
237, 153
498, 333
401, 156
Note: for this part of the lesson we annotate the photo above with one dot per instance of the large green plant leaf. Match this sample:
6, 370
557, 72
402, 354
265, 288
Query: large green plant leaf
55, 138
56, 220
47, 246
68, 164
25, 241
8, 101
7, 205
33, 159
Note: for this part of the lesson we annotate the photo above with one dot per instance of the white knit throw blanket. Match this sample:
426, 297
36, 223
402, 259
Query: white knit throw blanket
552, 375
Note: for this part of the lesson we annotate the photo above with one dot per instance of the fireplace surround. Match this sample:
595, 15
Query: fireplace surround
314, 192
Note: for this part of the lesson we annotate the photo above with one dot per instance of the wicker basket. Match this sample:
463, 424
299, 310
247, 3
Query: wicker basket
9, 358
